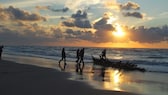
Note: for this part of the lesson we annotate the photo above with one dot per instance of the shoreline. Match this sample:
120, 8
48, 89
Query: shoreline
23, 79
148, 83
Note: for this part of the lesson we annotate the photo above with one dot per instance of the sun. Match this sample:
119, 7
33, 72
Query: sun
119, 31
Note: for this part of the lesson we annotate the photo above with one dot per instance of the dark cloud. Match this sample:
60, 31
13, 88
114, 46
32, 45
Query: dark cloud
62, 17
52, 9
27, 34
126, 9
82, 24
102, 25
68, 23
8, 36
149, 35
133, 14
129, 6
57, 33
79, 15
80, 20
103, 30
36, 34
79, 35
59, 10
12, 13
33, 34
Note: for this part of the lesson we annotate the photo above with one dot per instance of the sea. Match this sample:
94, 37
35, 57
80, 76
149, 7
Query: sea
152, 82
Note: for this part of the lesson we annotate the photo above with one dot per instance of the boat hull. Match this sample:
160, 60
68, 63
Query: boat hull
117, 65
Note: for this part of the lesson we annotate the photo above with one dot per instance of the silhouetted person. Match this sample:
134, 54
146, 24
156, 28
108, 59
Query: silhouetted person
77, 61
103, 55
63, 58
1, 49
81, 54
82, 51
77, 55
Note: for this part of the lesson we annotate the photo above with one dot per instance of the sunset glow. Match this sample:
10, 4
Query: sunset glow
119, 31
111, 20
63, 23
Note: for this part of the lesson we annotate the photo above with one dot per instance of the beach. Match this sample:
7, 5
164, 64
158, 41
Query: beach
22, 79
79, 47
97, 79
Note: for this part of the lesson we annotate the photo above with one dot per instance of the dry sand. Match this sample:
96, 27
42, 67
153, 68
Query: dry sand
21, 79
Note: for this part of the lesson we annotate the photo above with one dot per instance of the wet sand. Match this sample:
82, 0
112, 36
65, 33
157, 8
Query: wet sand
22, 79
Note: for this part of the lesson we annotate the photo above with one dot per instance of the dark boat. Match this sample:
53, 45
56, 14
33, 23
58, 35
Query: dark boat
117, 65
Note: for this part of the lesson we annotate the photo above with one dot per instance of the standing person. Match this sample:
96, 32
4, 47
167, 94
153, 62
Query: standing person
82, 51
77, 55
77, 61
1, 47
63, 57
103, 55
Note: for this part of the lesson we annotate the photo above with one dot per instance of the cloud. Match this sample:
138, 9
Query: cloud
76, 28
129, 6
59, 10
118, 6
80, 4
79, 35
133, 14
149, 35
65, 9
80, 20
102, 25
27, 34
127, 10
103, 29
12, 13
35, 34
42, 7
79, 15
68, 23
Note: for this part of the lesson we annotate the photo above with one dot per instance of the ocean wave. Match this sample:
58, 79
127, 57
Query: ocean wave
146, 57
158, 57
155, 71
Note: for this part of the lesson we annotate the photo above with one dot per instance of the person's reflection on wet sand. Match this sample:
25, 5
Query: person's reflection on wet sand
103, 69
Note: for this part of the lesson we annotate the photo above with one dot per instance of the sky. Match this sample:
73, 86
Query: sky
85, 23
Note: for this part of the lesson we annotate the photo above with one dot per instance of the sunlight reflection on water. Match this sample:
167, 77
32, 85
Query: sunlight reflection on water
135, 82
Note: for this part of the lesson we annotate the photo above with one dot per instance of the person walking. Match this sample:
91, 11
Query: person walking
77, 61
1, 49
82, 51
63, 58
77, 55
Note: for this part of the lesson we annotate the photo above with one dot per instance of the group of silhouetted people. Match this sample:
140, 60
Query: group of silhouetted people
79, 61
79, 56
1, 49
